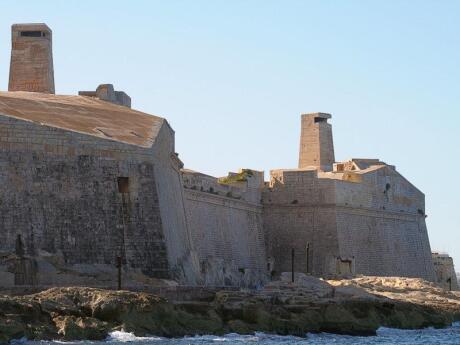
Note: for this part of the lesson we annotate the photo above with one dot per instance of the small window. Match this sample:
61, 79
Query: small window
31, 33
320, 119
123, 184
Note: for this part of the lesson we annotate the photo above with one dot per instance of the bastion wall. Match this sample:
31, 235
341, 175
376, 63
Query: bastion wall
371, 223
381, 225
64, 219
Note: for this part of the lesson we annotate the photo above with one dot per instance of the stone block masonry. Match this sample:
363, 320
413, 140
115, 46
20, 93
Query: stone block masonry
75, 197
445, 271
227, 232
65, 199
316, 145
31, 67
85, 180
358, 217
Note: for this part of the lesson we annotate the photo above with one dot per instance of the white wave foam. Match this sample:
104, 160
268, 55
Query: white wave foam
125, 337
231, 337
244, 338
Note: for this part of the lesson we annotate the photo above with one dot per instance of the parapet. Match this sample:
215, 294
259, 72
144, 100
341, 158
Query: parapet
106, 92
31, 66
246, 185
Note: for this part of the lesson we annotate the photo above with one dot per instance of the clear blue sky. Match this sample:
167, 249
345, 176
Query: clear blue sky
232, 78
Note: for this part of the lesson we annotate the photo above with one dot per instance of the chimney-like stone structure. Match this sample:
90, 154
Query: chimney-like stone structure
31, 66
316, 144
106, 92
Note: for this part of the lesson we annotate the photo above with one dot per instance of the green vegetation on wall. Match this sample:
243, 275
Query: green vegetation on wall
239, 177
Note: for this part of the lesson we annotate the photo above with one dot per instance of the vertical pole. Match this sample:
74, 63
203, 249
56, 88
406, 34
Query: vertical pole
292, 264
119, 271
308, 258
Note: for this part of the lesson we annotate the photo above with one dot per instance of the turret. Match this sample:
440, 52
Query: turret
316, 145
31, 67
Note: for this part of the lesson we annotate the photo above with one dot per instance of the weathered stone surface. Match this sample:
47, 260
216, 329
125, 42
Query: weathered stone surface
357, 306
226, 223
80, 328
85, 181
445, 271
107, 93
316, 144
61, 196
355, 217
361, 217
31, 67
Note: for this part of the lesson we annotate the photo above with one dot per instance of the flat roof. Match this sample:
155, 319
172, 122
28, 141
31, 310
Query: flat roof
82, 114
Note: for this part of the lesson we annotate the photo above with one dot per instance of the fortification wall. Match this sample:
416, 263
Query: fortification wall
383, 243
299, 214
381, 189
381, 225
310, 231
228, 237
183, 259
60, 193
445, 271
374, 225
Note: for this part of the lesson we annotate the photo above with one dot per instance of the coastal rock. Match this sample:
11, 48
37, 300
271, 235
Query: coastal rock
80, 328
354, 306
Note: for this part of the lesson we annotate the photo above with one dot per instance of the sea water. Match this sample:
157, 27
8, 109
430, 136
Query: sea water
428, 336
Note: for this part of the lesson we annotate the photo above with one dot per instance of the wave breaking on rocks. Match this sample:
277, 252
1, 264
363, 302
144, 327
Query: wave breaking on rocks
356, 306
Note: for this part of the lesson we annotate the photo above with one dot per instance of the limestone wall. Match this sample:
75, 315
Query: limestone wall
381, 224
316, 144
31, 66
60, 193
372, 224
182, 256
227, 234
445, 271
383, 243
299, 214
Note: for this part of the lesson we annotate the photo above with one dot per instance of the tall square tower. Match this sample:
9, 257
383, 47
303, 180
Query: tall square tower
316, 144
31, 67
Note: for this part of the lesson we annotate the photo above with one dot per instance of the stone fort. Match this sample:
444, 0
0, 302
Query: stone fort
87, 182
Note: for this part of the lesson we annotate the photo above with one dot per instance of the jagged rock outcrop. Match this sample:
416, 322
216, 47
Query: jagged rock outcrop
355, 306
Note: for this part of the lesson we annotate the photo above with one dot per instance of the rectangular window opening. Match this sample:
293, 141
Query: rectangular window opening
123, 184
340, 167
320, 119
31, 33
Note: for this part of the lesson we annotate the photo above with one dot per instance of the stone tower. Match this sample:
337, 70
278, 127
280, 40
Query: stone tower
316, 145
31, 67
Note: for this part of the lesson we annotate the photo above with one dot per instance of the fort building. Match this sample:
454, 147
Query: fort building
344, 218
87, 180
445, 271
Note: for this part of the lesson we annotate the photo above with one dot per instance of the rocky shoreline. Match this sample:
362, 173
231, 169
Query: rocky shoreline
357, 306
